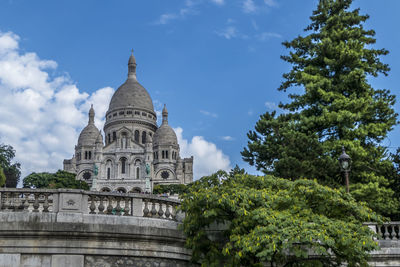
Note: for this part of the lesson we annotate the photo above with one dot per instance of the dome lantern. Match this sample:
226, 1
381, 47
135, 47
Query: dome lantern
91, 115
165, 115
132, 66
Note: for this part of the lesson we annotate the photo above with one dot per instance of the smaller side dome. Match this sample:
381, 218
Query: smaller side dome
90, 133
165, 135
99, 139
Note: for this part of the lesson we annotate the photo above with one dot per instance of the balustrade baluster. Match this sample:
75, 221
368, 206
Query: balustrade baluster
13, 201
46, 203
5, 200
394, 233
386, 235
173, 213
92, 206
118, 207
101, 206
160, 209
126, 208
167, 212
110, 205
21, 201
146, 210
36, 203
26, 201
153, 208
379, 231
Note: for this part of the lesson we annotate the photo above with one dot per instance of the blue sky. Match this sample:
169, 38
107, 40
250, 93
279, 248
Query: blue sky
216, 64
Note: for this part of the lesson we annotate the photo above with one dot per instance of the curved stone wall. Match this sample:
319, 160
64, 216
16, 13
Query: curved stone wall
69, 231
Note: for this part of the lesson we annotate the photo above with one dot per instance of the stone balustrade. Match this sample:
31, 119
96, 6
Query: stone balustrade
87, 202
386, 231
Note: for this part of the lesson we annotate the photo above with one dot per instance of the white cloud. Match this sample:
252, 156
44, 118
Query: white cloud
165, 18
187, 9
267, 35
207, 157
271, 105
270, 3
227, 138
249, 6
228, 33
218, 2
254, 24
41, 115
208, 113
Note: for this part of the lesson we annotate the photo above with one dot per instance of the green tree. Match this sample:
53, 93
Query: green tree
236, 170
11, 170
274, 220
2, 177
170, 188
332, 104
60, 179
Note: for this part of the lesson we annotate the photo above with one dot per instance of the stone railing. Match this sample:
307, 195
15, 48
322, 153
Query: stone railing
87, 202
386, 231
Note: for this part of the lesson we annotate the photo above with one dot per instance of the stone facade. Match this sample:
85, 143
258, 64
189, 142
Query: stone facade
137, 153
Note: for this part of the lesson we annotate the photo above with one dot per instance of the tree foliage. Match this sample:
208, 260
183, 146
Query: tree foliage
331, 104
60, 179
2, 177
12, 171
170, 189
274, 220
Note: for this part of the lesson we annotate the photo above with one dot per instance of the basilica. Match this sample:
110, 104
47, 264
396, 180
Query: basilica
135, 154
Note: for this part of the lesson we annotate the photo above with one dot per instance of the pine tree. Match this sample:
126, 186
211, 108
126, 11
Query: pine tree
332, 104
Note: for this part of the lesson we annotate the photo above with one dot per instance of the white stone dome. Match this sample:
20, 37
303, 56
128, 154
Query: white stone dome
165, 135
131, 94
90, 133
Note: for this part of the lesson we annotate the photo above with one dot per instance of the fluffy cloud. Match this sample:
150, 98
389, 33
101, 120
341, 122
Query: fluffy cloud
187, 9
227, 138
270, 3
41, 115
249, 6
218, 2
207, 157
208, 113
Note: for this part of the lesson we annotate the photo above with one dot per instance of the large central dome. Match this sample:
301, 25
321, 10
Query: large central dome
131, 94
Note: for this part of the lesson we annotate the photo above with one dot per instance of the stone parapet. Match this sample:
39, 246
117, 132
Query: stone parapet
60, 228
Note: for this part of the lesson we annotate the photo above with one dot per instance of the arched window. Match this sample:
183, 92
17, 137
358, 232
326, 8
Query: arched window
90, 154
137, 172
86, 155
87, 176
121, 190
109, 166
143, 137
105, 189
114, 136
137, 136
135, 190
109, 138
163, 154
166, 154
123, 165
